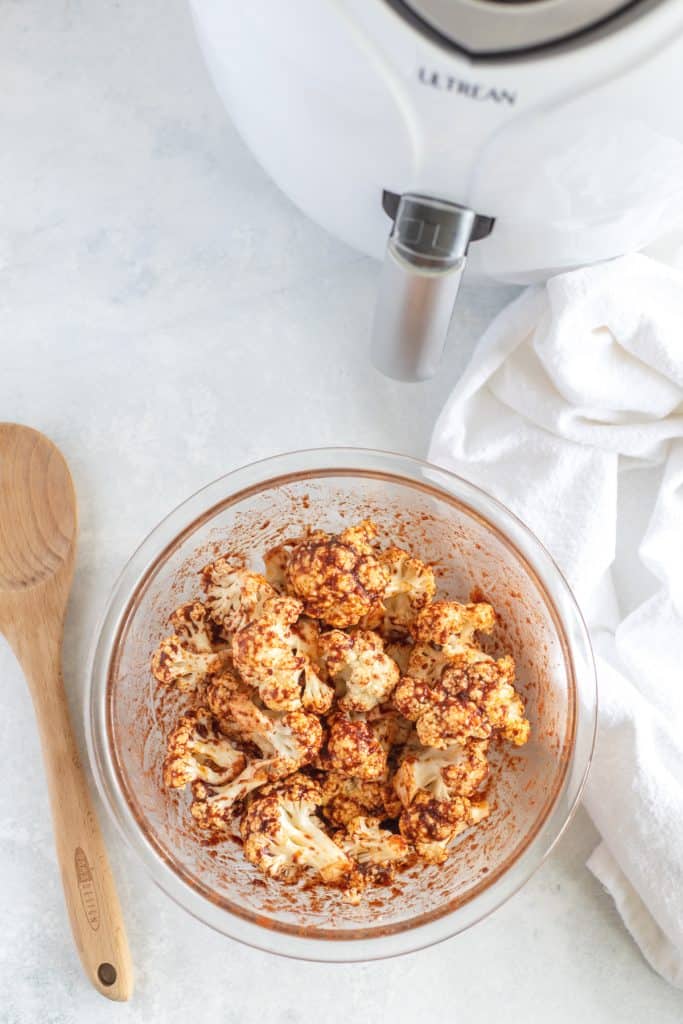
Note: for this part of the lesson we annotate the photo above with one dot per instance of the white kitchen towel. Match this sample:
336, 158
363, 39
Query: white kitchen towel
574, 397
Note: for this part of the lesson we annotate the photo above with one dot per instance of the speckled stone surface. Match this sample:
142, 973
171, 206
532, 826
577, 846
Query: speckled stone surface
165, 316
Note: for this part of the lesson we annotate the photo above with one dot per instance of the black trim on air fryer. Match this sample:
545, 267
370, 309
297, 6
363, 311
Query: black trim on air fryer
481, 227
592, 32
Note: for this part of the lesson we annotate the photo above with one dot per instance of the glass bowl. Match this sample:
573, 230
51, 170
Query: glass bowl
480, 548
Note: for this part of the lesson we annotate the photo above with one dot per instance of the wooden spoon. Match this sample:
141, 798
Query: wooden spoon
38, 526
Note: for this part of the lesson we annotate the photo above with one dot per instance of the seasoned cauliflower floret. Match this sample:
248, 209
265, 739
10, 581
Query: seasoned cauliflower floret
354, 748
443, 774
265, 654
452, 626
196, 629
363, 674
214, 805
412, 697
219, 694
443, 715
344, 798
279, 655
339, 578
430, 825
175, 664
197, 751
234, 596
295, 737
375, 852
410, 588
426, 663
283, 835
470, 700
390, 728
317, 695
490, 685
370, 845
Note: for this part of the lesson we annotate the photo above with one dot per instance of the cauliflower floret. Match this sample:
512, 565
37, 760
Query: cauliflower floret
374, 851
443, 714
411, 586
219, 694
426, 663
452, 626
295, 787
283, 835
345, 798
339, 578
278, 655
490, 685
196, 629
370, 845
214, 805
431, 825
363, 674
412, 697
353, 748
175, 664
234, 596
443, 774
472, 698
317, 695
266, 656
295, 737
196, 750
234, 704
391, 728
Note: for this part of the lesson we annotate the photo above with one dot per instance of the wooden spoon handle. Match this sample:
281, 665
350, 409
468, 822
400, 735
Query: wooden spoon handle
89, 889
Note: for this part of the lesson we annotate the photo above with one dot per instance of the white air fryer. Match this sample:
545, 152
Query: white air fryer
521, 137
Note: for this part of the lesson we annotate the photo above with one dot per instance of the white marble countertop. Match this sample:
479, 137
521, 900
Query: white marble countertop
167, 315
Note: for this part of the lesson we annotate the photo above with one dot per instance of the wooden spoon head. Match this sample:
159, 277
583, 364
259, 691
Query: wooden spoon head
38, 512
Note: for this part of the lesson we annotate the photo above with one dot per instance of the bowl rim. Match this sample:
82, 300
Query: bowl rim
428, 929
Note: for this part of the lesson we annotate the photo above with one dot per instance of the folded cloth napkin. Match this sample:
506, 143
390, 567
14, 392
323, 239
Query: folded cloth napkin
573, 399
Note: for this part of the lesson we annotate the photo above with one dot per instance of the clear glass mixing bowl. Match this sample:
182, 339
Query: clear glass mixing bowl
479, 545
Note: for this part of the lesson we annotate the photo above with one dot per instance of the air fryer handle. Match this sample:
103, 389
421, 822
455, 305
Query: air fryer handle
424, 262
